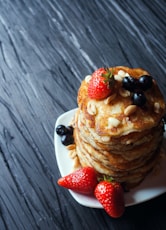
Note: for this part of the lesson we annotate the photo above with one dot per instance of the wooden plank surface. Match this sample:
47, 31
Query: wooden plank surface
46, 48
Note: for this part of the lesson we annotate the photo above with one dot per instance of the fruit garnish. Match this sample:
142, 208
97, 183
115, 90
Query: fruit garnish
137, 87
145, 82
67, 139
129, 83
101, 84
138, 98
70, 129
66, 133
61, 130
111, 196
83, 181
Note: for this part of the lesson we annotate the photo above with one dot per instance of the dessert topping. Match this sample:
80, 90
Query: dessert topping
121, 74
113, 122
145, 82
111, 196
130, 110
61, 130
110, 98
66, 133
137, 88
82, 180
86, 181
67, 139
156, 107
101, 84
87, 78
71, 147
139, 98
129, 83
105, 138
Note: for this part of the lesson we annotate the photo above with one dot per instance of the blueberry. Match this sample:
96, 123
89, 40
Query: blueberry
129, 83
145, 82
70, 129
139, 98
61, 130
67, 139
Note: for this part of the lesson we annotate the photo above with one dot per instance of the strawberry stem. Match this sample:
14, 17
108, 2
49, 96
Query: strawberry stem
109, 77
105, 178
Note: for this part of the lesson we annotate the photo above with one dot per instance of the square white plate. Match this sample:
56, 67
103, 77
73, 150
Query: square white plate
153, 186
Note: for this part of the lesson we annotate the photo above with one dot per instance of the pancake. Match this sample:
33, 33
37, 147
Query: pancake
116, 137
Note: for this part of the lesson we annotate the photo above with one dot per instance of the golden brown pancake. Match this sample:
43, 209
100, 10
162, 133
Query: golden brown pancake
114, 136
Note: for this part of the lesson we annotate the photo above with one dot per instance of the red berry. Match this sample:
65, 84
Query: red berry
99, 86
111, 196
83, 180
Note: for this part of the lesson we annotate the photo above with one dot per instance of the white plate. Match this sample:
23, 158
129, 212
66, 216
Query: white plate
153, 186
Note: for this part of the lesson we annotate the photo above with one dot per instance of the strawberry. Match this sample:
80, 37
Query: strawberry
100, 85
83, 180
111, 196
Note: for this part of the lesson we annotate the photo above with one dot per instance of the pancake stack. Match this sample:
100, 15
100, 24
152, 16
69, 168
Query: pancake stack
116, 137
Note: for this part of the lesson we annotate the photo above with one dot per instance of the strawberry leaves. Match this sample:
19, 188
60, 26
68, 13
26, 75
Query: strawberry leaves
109, 77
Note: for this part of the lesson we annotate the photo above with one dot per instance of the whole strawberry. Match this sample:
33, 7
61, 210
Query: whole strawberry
83, 180
111, 196
100, 85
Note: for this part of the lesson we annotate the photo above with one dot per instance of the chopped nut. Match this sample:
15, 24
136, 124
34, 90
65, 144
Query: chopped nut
105, 138
76, 164
87, 78
126, 75
109, 99
163, 105
91, 108
130, 110
113, 122
72, 153
124, 93
121, 73
118, 77
156, 107
129, 142
126, 120
71, 147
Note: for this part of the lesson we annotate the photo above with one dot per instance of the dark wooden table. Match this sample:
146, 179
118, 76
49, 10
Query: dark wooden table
46, 48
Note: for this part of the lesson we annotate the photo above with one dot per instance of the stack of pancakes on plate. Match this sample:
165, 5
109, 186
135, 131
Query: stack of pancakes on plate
114, 136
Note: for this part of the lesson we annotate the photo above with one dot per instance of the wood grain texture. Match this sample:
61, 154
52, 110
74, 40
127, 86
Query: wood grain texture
46, 49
